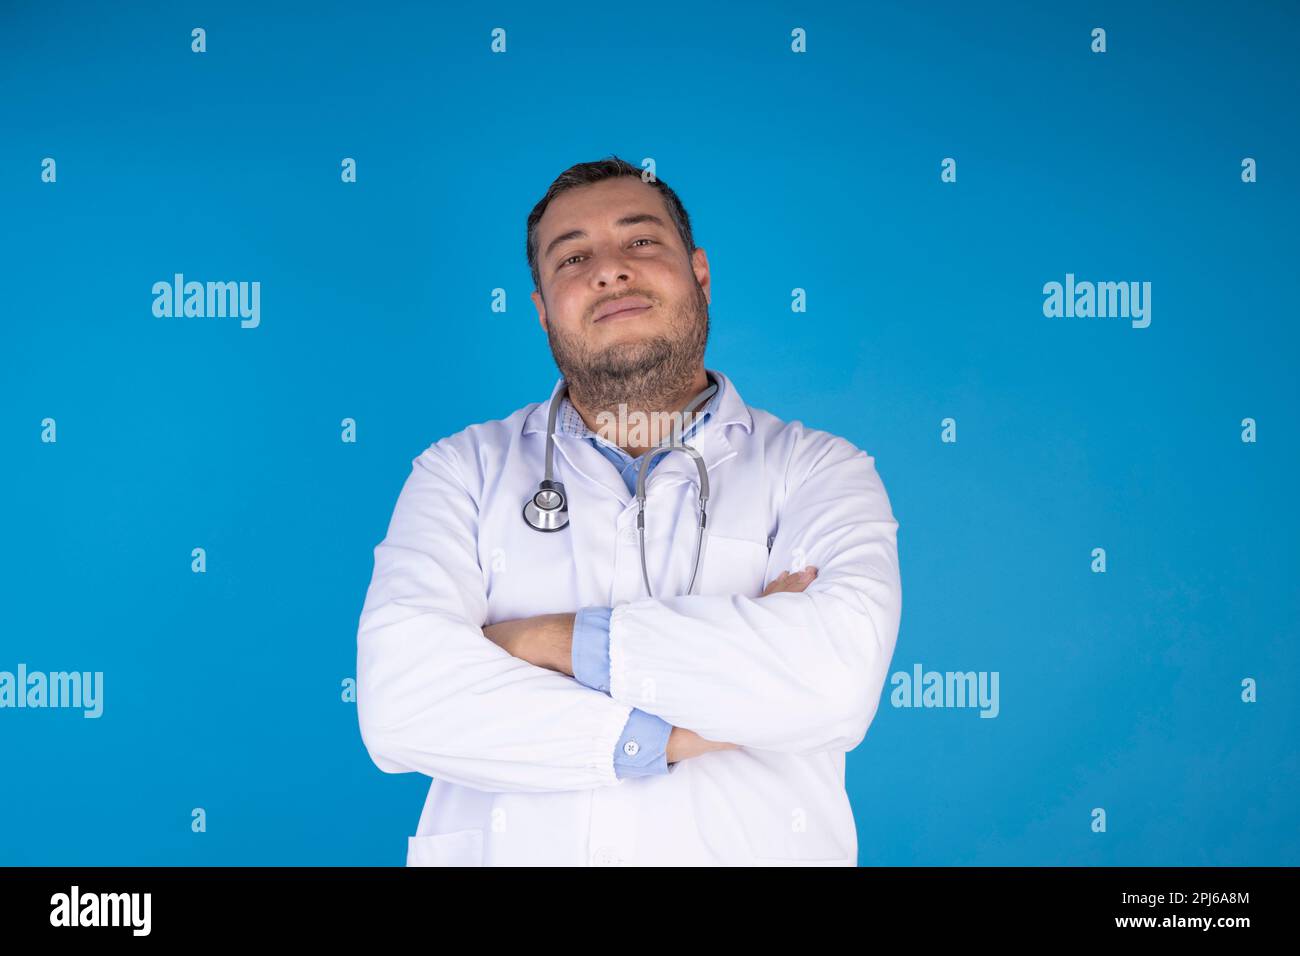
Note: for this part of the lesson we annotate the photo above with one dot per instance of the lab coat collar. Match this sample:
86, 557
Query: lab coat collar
710, 440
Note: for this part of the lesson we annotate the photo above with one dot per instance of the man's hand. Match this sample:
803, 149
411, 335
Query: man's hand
544, 639
683, 743
786, 581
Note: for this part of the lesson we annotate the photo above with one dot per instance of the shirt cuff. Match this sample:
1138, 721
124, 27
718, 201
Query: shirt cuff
591, 648
643, 748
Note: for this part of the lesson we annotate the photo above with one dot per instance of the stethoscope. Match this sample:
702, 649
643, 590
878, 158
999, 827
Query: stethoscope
548, 509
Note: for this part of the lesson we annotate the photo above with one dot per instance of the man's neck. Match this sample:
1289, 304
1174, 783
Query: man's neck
638, 429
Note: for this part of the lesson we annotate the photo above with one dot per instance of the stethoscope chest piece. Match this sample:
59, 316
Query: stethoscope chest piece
548, 509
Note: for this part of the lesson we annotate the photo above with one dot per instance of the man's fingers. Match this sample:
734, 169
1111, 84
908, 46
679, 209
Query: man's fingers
796, 582
801, 579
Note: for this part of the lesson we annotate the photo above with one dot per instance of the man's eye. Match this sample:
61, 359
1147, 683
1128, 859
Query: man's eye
565, 262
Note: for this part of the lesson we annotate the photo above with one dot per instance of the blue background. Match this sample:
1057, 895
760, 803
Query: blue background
818, 171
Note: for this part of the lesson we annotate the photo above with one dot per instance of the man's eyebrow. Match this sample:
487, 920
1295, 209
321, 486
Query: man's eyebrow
634, 219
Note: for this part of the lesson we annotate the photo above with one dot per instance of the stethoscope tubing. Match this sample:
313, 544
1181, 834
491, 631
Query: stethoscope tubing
547, 509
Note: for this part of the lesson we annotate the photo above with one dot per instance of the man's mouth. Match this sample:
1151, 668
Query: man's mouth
624, 308
625, 313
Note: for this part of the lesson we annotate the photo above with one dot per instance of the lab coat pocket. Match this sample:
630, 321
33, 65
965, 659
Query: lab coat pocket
732, 566
802, 818
458, 848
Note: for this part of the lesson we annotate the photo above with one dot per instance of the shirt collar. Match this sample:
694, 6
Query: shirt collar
571, 423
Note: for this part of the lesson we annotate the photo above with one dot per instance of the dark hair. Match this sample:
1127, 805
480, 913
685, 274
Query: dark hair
584, 174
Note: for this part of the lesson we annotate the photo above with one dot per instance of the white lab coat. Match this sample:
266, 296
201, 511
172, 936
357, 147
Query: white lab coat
521, 756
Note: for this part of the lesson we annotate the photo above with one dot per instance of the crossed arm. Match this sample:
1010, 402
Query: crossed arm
546, 640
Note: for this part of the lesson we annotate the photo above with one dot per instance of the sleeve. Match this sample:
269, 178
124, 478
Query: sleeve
434, 694
793, 672
590, 661
643, 748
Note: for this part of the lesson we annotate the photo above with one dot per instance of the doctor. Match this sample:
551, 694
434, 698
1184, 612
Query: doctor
587, 676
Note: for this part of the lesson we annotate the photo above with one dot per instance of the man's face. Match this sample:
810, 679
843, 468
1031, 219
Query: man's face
613, 244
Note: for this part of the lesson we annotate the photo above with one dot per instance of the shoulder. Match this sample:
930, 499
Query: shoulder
821, 475
479, 449
800, 449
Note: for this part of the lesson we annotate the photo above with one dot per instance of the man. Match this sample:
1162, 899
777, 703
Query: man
566, 716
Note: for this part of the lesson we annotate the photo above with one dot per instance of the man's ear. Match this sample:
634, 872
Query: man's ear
541, 309
700, 264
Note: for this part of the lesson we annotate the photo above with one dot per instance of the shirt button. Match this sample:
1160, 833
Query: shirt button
631, 747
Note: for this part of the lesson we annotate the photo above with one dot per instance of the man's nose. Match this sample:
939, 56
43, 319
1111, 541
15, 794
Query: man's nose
612, 268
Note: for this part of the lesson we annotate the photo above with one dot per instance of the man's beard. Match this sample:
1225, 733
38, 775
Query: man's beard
643, 375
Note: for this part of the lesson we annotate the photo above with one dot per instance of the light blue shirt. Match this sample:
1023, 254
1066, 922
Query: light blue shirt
642, 749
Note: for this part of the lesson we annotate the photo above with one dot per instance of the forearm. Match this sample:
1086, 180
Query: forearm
545, 640
433, 696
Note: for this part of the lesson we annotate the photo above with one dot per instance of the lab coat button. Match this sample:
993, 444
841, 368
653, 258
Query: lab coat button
630, 536
631, 747
605, 856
